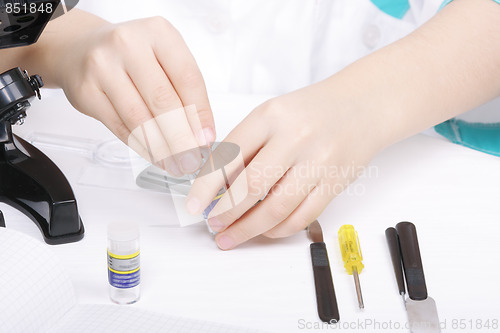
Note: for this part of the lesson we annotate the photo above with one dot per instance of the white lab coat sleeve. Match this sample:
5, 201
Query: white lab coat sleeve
204, 26
423, 10
272, 46
125, 10
348, 32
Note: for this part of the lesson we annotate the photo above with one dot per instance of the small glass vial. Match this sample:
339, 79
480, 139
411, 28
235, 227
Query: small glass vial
207, 210
124, 269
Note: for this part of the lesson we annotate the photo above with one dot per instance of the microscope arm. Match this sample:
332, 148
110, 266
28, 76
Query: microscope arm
29, 180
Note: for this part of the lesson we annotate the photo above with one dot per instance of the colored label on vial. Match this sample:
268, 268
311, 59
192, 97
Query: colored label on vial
211, 206
124, 271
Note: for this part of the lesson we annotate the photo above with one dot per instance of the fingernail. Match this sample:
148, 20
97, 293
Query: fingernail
206, 135
189, 163
215, 224
173, 169
193, 205
225, 242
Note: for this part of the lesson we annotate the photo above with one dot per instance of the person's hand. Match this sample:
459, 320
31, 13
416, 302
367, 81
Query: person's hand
140, 79
303, 148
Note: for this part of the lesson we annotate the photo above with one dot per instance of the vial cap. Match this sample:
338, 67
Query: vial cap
123, 231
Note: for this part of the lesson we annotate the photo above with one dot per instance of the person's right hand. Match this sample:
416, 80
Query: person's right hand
140, 79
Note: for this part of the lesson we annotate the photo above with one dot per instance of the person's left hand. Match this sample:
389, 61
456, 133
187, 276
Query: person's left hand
301, 149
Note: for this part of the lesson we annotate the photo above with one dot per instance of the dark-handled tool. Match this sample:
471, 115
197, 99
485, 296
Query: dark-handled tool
325, 293
421, 309
393, 241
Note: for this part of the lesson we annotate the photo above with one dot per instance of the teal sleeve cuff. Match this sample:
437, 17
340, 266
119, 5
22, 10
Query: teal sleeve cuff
394, 8
448, 1
478, 136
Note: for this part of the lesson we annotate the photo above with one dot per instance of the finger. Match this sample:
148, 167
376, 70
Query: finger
284, 197
309, 210
196, 126
265, 170
133, 112
248, 138
167, 108
221, 168
182, 70
147, 133
108, 116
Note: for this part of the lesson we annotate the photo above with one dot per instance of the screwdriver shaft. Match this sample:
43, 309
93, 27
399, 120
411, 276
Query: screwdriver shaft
358, 287
352, 257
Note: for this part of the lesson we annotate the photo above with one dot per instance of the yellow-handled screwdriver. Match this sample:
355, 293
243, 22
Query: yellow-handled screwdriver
352, 257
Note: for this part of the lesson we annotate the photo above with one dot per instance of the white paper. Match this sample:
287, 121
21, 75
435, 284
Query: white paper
36, 295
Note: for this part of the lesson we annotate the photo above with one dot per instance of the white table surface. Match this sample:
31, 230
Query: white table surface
451, 193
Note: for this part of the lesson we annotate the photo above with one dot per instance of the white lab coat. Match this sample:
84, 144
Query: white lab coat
272, 46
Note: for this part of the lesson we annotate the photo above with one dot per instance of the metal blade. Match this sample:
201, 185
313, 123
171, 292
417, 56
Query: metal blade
314, 232
423, 316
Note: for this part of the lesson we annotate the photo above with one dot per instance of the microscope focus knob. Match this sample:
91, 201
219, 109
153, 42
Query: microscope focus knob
36, 83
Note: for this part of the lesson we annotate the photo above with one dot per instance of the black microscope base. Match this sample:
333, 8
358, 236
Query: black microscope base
33, 184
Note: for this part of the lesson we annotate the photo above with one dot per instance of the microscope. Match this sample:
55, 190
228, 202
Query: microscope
29, 180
